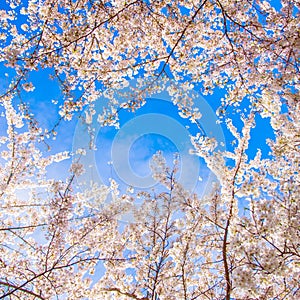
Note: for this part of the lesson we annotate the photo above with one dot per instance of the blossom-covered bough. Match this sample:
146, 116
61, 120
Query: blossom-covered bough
53, 236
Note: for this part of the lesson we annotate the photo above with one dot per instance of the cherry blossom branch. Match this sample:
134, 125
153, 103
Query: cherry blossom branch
181, 37
26, 291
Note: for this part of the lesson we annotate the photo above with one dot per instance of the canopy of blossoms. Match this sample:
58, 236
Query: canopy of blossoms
60, 242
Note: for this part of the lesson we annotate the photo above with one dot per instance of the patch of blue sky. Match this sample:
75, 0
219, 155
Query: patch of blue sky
138, 145
144, 146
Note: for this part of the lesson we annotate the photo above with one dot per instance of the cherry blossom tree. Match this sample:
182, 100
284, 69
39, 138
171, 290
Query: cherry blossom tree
50, 235
53, 236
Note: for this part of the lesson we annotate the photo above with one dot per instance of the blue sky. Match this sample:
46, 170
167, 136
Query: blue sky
145, 145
